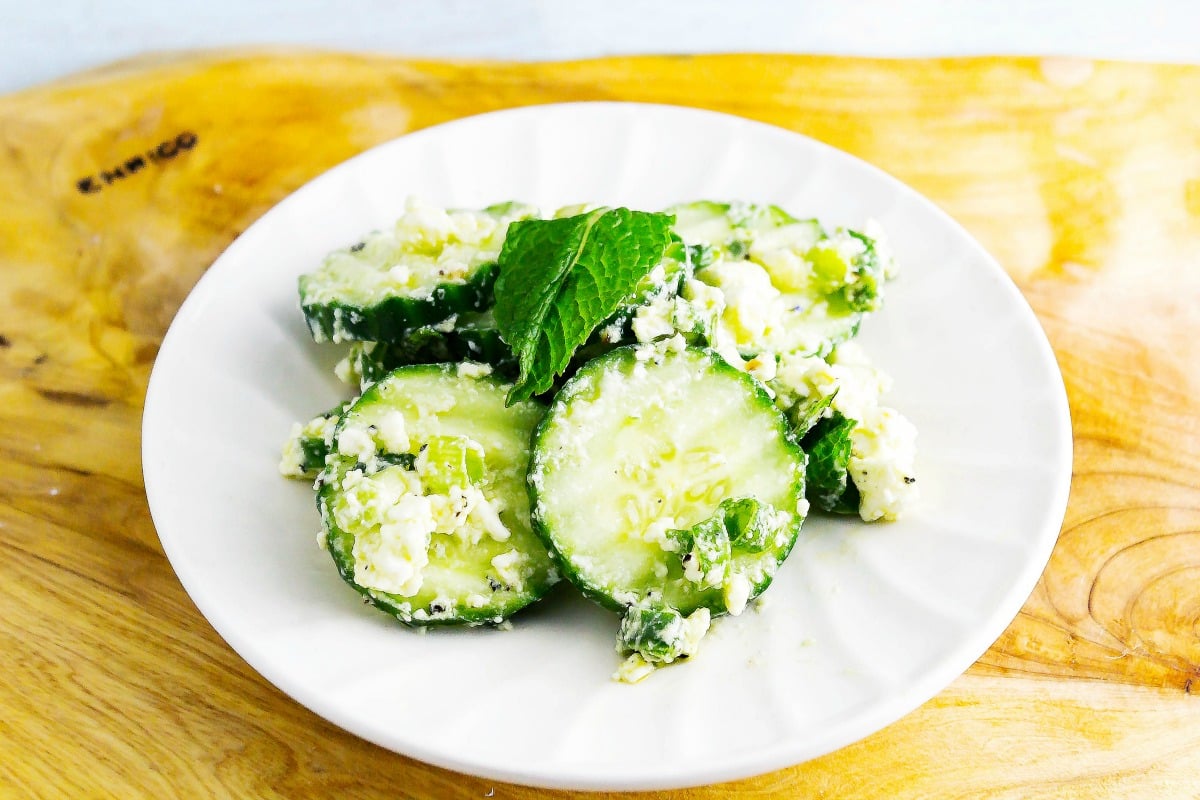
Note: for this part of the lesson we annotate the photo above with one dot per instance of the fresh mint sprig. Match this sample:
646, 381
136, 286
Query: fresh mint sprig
560, 278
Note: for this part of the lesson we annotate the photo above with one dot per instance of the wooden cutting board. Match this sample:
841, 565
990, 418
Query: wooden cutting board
120, 187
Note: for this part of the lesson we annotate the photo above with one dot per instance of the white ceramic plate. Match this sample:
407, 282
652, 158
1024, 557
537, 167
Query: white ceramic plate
863, 623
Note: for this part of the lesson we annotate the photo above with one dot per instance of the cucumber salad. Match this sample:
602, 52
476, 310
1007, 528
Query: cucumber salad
647, 404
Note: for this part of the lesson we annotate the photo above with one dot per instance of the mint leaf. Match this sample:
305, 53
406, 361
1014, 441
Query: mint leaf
560, 278
828, 448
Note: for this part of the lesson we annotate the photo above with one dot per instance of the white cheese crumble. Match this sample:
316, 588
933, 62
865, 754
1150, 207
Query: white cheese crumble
452, 510
390, 557
695, 625
654, 319
656, 533
611, 334
752, 309
470, 369
357, 442
393, 433
488, 514
291, 462
763, 366
634, 669
507, 566
737, 593
883, 448
859, 383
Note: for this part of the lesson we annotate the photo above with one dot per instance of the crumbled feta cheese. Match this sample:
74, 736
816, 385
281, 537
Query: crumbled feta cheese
452, 510
859, 383
356, 441
707, 303
393, 433
470, 369
695, 625
654, 319
808, 377
363, 501
802, 377
625, 597
752, 308
634, 669
882, 451
291, 462
488, 514
763, 366
391, 556
507, 566
292, 459
656, 533
399, 274
611, 334
442, 607
737, 593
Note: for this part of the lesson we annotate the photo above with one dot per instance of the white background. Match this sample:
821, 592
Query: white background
40, 41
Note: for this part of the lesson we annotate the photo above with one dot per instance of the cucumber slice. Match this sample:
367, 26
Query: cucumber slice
651, 439
471, 336
430, 265
731, 229
788, 285
816, 329
424, 504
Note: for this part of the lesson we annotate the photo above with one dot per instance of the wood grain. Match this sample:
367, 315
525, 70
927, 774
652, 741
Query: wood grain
1082, 178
